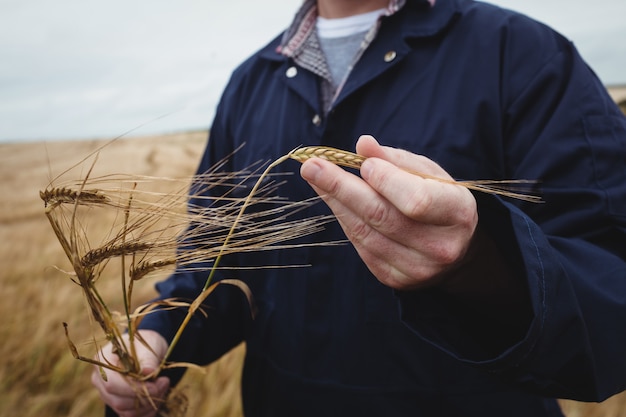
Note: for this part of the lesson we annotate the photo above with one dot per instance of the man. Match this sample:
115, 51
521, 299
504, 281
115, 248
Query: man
447, 302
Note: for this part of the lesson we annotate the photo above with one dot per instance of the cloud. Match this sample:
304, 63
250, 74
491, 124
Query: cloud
76, 69
86, 68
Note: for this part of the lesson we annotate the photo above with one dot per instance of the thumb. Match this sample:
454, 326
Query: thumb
150, 351
148, 362
158, 387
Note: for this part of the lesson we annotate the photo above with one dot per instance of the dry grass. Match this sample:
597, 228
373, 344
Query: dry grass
38, 375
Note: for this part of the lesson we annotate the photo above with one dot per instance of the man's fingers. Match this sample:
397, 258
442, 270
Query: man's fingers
424, 200
369, 147
406, 228
354, 202
130, 396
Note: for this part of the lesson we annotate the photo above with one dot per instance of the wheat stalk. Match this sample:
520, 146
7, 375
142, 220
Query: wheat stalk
153, 231
352, 160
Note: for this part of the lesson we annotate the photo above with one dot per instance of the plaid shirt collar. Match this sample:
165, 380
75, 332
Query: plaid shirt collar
303, 26
300, 43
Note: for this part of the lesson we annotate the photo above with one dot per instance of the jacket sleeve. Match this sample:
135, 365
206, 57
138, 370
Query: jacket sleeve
561, 127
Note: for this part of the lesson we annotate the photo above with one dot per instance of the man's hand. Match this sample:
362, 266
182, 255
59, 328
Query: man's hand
128, 397
408, 230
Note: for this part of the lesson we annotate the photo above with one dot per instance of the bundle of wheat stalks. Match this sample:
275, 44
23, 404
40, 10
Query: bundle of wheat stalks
151, 232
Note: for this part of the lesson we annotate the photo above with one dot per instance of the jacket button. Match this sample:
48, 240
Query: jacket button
291, 72
390, 56
317, 120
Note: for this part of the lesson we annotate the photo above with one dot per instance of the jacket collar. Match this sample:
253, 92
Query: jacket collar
426, 20
416, 20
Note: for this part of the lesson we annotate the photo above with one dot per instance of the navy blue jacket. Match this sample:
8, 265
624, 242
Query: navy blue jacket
488, 94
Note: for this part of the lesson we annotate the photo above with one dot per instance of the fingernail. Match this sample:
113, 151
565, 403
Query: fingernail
310, 170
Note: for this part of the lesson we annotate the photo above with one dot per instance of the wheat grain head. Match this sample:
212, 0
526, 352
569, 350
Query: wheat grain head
506, 188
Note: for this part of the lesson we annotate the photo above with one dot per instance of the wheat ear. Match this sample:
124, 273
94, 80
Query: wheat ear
353, 160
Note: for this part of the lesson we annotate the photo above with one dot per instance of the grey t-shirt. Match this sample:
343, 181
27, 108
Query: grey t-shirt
340, 53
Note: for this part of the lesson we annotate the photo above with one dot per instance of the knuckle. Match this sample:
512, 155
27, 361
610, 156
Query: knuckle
417, 204
376, 214
332, 187
446, 252
449, 255
466, 212
452, 252
359, 232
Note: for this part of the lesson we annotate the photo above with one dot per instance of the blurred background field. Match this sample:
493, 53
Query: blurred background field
38, 375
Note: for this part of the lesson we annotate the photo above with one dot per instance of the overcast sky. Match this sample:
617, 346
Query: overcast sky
87, 68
